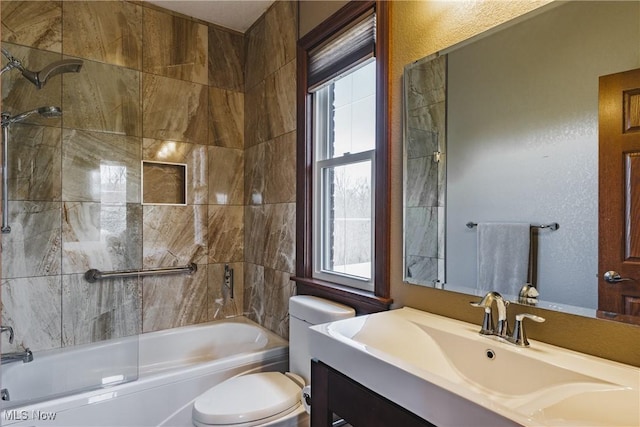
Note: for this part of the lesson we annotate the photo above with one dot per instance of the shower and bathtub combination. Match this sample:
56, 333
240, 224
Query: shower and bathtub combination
136, 379
174, 367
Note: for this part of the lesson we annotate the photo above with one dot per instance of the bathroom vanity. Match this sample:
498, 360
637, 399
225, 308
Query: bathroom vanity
426, 369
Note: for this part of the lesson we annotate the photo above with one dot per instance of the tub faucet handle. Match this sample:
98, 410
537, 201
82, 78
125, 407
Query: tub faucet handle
8, 329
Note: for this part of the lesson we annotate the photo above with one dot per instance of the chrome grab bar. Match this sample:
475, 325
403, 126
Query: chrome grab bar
94, 275
553, 226
5, 174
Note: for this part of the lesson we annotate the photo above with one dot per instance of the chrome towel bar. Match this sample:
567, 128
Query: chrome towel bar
94, 275
552, 226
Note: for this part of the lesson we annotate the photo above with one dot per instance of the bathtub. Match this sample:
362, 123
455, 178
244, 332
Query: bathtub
174, 367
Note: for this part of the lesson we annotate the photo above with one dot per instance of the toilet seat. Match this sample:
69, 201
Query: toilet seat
248, 400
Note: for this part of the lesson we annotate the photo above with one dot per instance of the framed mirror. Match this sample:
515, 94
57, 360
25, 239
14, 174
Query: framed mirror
503, 128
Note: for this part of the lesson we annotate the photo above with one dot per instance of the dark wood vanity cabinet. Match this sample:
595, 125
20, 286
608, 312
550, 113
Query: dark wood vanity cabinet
335, 393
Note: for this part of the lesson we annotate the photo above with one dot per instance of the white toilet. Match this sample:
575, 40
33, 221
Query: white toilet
271, 398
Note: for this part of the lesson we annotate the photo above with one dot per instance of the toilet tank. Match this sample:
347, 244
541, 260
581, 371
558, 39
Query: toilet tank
305, 311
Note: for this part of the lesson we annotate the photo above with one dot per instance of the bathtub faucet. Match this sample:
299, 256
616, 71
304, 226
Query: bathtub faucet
25, 356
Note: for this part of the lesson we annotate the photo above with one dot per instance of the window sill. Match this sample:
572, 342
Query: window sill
363, 302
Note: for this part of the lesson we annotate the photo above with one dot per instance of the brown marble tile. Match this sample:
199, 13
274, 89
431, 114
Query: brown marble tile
255, 54
32, 307
101, 235
104, 31
226, 118
254, 292
173, 301
100, 311
255, 234
226, 59
174, 235
34, 163
226, 176
102, 97
226, 234
19, 95
280, 164
254, 174
281, 32
174, 109
175, 47
278, 289
280, 237
33, 23
280, 95
256, 125
193, 155
100, 167
33, 247
220, 303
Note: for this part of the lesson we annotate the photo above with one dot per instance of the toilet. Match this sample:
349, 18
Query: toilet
271, 398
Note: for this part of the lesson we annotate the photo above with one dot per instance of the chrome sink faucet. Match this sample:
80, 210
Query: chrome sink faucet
501, 328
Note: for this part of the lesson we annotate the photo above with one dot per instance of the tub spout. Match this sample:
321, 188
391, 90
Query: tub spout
25, 356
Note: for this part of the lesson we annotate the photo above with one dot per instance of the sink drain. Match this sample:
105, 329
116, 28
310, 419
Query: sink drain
490, 354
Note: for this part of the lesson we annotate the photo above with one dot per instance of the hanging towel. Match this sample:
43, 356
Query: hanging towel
503, 256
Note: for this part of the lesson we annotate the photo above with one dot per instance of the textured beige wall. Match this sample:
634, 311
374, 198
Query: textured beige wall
313, 12
420, 28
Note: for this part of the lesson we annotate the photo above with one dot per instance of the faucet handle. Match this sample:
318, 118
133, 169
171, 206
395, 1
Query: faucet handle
487, 320
8, 329
519, 336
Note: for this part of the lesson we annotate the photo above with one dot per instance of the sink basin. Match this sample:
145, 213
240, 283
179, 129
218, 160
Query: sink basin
444, 371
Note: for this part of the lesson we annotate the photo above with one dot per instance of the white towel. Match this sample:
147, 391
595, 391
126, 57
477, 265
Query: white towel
503, 256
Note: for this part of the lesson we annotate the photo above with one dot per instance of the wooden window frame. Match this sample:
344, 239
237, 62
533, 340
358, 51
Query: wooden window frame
364, 302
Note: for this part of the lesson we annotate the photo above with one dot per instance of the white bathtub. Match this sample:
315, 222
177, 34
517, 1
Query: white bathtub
175, 367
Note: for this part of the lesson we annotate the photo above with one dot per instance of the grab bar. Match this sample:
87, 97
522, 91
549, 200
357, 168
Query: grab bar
5, 175
552, 226
94, 275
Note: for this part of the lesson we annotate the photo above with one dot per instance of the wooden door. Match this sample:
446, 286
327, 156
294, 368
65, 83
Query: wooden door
619, 196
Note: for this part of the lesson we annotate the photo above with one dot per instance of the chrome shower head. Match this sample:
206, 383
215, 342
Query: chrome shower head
46, 112
39, 78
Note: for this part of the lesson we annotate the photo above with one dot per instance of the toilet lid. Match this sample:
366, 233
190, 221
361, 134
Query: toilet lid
246, 398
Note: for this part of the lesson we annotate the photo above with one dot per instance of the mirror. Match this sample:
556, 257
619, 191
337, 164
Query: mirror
504, 128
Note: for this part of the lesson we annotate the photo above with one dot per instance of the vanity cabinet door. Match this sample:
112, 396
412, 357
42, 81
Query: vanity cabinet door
335, 393
619, 196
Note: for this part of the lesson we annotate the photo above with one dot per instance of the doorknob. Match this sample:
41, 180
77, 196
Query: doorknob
614, 277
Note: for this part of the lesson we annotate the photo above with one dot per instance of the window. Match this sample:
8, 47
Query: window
344, 151
342, 237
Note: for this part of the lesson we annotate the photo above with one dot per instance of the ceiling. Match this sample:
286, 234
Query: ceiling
237, 14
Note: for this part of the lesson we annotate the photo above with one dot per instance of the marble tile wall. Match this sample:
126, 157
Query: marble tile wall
154, 86
270, 166
425, 178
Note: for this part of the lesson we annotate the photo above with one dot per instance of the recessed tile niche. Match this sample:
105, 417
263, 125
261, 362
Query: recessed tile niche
164, 183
